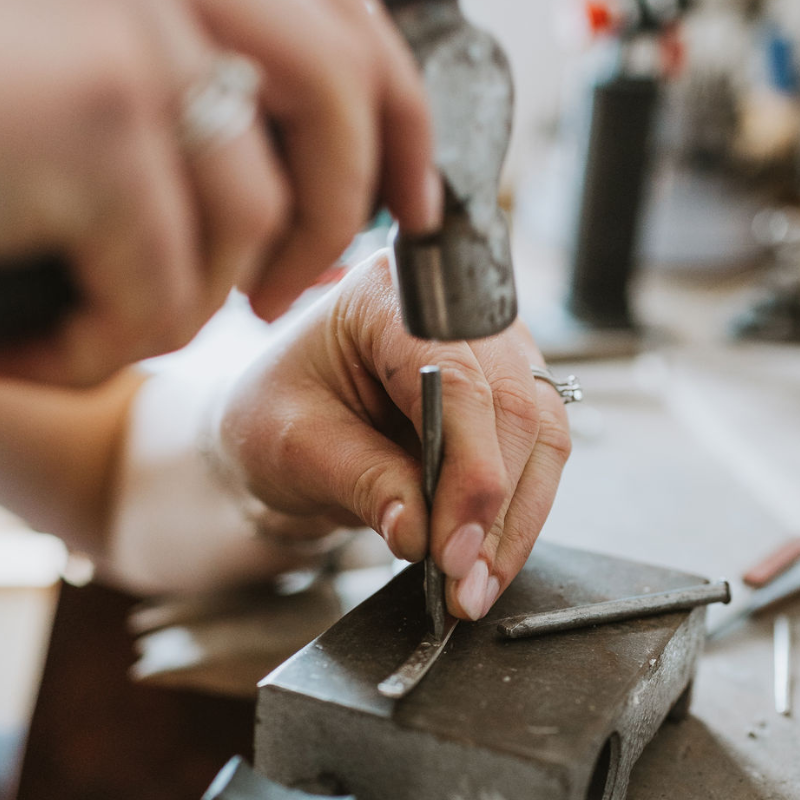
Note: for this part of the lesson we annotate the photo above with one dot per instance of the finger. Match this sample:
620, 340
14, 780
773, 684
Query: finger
242, 196
411, 186
321, 93
506, 364
473, 480
137, 281
130, 246
237, 183
509, 543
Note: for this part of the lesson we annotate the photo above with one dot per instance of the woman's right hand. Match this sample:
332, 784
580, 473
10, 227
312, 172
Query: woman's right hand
92, 167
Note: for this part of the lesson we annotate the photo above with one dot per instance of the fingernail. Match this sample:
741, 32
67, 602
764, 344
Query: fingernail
472, 590
462, 549
389, 522
492, 590
433, 211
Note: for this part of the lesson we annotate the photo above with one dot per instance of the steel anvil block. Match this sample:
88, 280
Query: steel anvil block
562, 717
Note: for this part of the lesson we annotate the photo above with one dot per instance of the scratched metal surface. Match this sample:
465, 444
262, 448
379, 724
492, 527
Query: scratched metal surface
545, 706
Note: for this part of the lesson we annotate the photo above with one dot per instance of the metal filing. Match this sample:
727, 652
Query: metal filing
628, 608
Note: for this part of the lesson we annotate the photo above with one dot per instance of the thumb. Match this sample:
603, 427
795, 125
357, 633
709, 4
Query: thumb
338, 460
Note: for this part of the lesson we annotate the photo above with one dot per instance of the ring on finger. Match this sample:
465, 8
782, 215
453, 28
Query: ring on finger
570, 390
221, 105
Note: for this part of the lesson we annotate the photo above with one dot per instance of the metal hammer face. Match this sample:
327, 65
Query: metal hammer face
459, 283
563, 717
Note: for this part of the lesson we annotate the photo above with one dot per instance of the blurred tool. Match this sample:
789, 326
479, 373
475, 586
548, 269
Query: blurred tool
442, 624
776, 563
775, 317
622, 113
459, 282
783, 665
782, 588
627, 608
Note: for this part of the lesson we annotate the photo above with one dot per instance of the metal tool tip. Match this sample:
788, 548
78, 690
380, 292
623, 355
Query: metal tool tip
393, 688
506, 630
429, 369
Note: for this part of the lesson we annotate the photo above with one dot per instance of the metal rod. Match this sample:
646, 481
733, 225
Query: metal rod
431, 378
645, 605
782, 644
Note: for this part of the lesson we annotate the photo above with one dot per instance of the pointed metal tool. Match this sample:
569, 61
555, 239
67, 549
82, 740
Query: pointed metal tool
401, 682
431, 378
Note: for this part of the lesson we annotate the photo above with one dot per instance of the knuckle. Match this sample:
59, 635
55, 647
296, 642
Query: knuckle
342, 222
513, 401
118, 83
462, 380
261, 220
487, 484
554, 434
364, 492
517, 545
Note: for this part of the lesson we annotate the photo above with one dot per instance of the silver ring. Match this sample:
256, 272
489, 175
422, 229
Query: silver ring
570, 390
221, 105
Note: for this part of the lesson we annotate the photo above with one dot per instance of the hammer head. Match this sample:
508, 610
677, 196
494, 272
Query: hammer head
459, 283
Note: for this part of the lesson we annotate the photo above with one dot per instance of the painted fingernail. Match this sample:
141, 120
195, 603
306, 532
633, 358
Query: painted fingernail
492, 591
433, 210
472, 590
462, 549
389, 522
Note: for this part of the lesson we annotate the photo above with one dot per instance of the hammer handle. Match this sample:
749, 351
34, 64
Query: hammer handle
36, 293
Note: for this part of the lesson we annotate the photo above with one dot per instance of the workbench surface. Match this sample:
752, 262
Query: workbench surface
690, 458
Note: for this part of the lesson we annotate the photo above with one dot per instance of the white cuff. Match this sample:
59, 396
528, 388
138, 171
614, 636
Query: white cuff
180, 522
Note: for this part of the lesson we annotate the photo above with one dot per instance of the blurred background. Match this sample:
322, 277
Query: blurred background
653, 185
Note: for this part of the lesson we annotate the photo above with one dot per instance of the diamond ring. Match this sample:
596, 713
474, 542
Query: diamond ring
221, 105
570, 390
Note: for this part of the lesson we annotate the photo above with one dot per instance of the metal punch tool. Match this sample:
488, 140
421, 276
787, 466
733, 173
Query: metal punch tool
442, 624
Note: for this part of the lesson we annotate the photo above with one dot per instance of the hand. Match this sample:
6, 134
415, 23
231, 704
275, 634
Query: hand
345, 97
328, 423
91, 165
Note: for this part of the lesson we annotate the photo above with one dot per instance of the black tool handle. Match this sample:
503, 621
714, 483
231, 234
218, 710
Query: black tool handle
604, 258
36, 294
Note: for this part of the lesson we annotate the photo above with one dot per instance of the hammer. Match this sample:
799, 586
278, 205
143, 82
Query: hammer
456, 284
459, 282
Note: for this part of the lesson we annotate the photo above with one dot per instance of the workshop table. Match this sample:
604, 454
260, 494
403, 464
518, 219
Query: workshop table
691, 459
